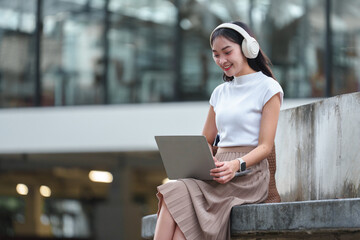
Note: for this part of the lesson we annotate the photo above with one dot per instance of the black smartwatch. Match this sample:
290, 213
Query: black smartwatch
242, 165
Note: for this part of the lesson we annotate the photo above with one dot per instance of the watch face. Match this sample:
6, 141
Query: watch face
243, 166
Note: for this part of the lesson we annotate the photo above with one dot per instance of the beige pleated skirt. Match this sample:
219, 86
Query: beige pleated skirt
202, 209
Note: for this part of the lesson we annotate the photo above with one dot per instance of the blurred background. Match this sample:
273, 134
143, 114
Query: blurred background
86, 84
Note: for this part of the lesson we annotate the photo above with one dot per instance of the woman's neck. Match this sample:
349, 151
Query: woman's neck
247, 70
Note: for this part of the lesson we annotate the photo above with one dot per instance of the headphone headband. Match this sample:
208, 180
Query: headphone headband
249, 46
232, 26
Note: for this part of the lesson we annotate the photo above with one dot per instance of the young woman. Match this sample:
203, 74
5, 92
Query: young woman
244, 111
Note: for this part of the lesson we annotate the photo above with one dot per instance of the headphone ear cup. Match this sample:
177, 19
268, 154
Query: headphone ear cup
250, 48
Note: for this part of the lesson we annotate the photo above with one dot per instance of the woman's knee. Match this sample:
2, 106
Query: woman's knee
176, 184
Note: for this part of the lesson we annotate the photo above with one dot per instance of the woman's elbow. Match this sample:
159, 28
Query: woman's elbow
266, 148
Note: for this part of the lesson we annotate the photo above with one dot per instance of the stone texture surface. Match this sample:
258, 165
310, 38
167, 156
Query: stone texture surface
330, 235
148, 226
317, 149
304, 216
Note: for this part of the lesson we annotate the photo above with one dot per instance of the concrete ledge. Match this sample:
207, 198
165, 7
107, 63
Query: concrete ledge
148, 224
306, 216
320, 217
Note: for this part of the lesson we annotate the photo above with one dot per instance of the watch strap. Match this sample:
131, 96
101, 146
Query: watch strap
242, 164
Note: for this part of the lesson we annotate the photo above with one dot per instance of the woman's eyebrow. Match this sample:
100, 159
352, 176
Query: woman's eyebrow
221, 49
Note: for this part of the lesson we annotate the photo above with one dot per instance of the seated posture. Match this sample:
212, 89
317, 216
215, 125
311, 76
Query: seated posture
244, 111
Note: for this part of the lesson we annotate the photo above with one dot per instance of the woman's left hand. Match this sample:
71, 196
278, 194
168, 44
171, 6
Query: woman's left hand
224, 171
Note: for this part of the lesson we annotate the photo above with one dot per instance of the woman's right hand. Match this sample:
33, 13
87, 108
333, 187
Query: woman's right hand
224, 171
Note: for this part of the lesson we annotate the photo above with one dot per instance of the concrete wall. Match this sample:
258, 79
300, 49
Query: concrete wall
318, 150
110, 128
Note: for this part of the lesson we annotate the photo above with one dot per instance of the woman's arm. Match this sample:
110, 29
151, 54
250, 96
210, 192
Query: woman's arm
210, 131
269, 120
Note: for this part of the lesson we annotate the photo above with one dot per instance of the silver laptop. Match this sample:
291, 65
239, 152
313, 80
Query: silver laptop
186, 157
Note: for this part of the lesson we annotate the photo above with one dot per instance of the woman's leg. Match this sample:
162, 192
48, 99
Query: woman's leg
165, 225
178, 235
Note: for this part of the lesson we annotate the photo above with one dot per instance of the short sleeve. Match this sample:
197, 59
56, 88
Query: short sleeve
273, 88
214, 96
212, 100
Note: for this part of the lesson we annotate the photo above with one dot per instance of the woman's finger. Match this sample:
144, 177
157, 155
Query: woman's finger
226, 178
218, 168
223, 177
219, 164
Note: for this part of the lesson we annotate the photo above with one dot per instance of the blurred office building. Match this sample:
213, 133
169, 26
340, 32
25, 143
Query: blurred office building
85, 85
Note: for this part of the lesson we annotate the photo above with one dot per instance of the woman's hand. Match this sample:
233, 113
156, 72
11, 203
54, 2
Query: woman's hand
224, 171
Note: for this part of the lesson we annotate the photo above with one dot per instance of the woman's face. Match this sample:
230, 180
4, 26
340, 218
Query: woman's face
229, 57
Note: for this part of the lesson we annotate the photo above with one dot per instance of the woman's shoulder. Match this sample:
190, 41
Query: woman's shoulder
270, 87
217, 93
220, 87
270, 82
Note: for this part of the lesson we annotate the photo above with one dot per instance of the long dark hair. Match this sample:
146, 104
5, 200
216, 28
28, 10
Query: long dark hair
260, 63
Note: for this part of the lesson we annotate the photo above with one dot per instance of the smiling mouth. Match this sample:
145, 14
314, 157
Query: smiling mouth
227, 68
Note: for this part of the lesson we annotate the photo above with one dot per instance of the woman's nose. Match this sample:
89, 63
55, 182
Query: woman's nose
222, 60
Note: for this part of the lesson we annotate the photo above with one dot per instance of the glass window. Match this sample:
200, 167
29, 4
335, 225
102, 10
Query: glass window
141, 39
11, 209
68, 218
345, 21
72, 61
153, 60
134, 51
17, 26
293, 37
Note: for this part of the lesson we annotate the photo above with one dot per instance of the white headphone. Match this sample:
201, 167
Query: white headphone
249, 46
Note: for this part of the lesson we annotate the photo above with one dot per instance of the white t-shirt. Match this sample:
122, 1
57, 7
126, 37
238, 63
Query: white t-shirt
238, 107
